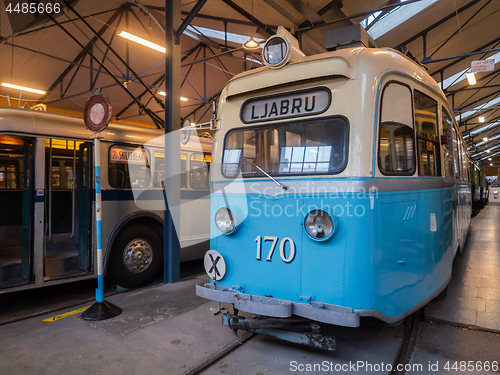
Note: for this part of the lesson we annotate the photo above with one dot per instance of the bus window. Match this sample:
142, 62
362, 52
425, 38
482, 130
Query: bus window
159, 169
396, 155
183, 170
9, 173
198, 173
449, 160
118, 171
429, 161
306, 147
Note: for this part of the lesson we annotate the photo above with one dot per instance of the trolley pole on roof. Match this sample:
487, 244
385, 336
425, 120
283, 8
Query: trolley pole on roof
96, 115
171, 243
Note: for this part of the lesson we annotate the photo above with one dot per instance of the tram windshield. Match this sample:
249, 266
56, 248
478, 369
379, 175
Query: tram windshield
306, 147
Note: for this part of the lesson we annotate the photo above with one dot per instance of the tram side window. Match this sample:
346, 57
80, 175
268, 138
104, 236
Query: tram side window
456, 158
460, 158
118, 167
396, 155
429, 161
198, 172
449, 160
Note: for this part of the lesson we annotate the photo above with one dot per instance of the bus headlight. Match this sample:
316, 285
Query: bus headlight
224, 220
319, 225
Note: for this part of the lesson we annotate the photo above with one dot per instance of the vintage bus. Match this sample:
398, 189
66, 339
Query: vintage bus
47, 235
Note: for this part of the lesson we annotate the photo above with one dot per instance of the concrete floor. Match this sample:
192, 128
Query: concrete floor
473, 296
166, 329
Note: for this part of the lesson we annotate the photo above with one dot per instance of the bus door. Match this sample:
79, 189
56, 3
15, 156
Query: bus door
16, 210
67, 209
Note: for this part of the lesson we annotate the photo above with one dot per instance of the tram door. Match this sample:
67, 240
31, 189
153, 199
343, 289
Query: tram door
16, 210
67, 209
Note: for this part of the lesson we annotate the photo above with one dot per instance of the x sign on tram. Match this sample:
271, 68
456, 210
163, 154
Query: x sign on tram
215, 266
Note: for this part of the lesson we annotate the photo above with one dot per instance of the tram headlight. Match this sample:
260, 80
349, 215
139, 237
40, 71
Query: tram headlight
277, 51
224, 220
320, 225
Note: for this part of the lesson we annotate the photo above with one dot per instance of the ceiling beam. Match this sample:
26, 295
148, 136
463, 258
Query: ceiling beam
495, 41
440, 22
32, 31
194, 11
156, 119
358, 15
264, 30
82, 53
158, 100
428, 59
213, 57
496, 73
188, 53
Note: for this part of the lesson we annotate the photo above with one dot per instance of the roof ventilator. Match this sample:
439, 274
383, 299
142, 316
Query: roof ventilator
348, 37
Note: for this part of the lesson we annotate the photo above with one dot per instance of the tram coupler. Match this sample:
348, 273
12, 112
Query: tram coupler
299, 331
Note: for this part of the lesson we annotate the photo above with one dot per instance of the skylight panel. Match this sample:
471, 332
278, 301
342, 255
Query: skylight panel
397, 17
484, 128
370, 19
217, 34
478, 108
482, 152
489, 140
489, 156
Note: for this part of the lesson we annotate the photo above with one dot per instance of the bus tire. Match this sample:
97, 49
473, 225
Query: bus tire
136, 257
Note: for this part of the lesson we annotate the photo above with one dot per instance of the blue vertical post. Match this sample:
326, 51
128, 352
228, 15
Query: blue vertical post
99, 292
172, 150
101, 309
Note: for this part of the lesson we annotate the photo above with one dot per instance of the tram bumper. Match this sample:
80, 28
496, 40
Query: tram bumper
267, 306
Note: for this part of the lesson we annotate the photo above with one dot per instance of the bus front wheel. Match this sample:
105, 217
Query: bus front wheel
136, 257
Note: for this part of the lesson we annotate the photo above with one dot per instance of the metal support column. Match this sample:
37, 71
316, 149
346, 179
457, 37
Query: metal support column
172, 149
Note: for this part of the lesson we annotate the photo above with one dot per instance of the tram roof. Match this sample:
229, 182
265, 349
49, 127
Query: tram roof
341, 63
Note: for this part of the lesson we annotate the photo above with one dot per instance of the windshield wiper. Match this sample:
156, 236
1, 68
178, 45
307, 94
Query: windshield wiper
267, 174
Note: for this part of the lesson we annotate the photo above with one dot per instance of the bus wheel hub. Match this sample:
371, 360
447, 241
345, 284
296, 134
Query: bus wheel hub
137, 255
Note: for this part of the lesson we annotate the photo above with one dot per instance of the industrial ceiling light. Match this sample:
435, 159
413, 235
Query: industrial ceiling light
471, 78
144, 42
183, 99
488, 150
251, 44
22, 88
481, 118
491, 163
489, 159
485, 139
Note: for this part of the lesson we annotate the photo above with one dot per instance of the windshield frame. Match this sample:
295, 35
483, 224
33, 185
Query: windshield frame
293, 121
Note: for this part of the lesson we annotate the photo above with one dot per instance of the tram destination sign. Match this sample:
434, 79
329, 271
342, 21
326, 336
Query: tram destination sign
287, 105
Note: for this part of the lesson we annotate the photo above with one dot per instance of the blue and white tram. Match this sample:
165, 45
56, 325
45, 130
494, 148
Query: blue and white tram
47, 235
354, 187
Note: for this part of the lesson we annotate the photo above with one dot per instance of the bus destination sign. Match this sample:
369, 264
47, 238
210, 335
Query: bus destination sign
293, 104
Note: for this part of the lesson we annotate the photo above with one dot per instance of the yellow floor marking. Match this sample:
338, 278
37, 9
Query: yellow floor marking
57, 317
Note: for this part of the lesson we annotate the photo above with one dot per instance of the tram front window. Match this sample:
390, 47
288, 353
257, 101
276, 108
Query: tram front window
306, 147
